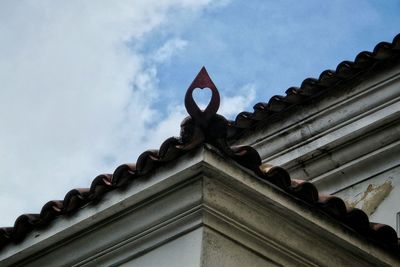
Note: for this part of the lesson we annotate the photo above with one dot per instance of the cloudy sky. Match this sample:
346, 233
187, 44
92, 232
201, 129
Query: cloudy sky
88, 85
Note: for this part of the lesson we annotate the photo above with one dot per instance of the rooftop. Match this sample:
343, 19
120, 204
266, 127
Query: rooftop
365, 63
207, 128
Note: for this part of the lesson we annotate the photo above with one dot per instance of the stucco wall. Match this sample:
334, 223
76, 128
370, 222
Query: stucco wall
347, 142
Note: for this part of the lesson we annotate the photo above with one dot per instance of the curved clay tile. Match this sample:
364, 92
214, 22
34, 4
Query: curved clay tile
197, 130
312, 87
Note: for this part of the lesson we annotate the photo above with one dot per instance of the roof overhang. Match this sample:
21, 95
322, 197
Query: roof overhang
228, 212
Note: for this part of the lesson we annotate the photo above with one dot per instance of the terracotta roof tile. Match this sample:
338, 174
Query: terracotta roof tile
200, 128
310, 88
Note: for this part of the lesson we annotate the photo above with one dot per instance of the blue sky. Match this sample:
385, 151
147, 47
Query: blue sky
86, 86
273, 44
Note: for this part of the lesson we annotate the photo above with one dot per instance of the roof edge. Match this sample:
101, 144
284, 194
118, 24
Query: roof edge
384, 53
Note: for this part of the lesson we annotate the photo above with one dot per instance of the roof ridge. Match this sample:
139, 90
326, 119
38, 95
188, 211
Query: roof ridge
312, 87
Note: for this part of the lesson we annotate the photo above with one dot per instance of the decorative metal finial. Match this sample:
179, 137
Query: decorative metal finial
208, 127
202, 81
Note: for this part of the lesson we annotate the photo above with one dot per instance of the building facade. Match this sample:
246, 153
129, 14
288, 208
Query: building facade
215, 196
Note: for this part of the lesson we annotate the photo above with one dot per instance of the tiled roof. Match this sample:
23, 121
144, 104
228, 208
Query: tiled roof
383, 53
199, 128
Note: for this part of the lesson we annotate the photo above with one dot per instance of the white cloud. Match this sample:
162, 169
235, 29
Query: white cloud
231, 106
171, 47
75, 99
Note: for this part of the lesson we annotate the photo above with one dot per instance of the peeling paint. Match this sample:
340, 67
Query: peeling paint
372, 197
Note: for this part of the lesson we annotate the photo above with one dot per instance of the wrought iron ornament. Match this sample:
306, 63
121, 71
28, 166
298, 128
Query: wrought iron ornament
202, 81
206, 126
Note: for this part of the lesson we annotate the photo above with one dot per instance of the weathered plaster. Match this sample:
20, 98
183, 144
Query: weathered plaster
383, 195
371, 198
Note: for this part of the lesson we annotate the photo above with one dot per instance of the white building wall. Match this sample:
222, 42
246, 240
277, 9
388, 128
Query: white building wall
203, 210
347, 142
184, 251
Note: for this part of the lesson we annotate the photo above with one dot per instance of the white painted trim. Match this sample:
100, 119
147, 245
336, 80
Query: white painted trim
202, 190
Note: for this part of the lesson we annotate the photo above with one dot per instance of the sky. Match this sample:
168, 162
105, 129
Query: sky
88, 85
